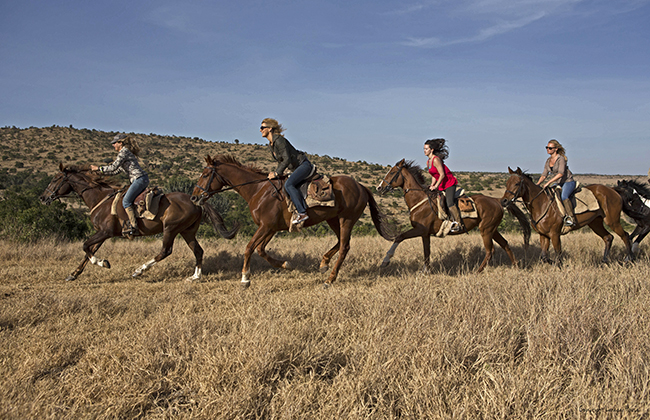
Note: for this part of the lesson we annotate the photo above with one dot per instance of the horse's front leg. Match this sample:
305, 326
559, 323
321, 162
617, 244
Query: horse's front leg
557, 246
418, 230
344, 248
639, 237
91, 246
261, 250
190, 240
545, 242
255, 241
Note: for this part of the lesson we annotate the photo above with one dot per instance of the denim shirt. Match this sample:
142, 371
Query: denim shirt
125, 162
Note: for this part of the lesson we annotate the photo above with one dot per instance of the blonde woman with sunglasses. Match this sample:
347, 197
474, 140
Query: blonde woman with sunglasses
556, 169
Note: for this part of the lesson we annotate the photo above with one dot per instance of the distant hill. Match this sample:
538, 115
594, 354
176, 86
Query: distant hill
165, 157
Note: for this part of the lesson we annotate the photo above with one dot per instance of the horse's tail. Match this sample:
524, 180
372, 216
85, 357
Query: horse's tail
633, 212
386, 229
217, 222
523, 222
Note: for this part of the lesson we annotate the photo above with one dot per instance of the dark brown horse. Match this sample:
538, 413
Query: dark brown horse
266, 201
548, 221
424, 214
176, 215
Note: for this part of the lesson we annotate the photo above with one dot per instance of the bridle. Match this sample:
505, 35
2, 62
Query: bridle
527, 204
396, 176
54, 193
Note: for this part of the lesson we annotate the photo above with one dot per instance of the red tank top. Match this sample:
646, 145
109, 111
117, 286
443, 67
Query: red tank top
449, 180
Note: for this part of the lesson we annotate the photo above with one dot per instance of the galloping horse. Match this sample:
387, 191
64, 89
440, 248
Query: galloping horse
425, 220
636, 204
548, 221
269, 210
176, 215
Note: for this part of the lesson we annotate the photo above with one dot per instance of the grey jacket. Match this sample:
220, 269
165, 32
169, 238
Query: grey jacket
125, 162
285, 154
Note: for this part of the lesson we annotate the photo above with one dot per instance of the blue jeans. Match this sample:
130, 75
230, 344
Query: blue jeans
293, 183
134, 190
567, 189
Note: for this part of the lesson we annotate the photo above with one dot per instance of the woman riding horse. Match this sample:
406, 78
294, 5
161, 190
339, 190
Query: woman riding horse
288, 158
443, 179
557, 168
127, 162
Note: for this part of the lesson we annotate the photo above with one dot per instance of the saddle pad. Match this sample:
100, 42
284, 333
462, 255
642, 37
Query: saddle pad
467, 208
148, 208
583, 201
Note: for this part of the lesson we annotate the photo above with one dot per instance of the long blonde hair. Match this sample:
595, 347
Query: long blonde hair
559, 148
275, 126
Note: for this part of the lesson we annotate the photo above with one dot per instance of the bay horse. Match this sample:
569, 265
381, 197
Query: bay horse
424, 214
636, 204
547, 220
266, 202
176, 215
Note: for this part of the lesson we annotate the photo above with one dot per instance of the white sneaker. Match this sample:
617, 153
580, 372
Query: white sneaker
301, 218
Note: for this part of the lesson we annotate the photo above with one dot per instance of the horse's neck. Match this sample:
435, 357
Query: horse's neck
413, 191
534, 198
91, 195
239, 175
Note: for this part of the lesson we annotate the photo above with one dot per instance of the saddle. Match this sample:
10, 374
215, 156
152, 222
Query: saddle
146, 203
582, 199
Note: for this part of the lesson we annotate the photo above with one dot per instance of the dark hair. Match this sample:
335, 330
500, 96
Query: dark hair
439, 148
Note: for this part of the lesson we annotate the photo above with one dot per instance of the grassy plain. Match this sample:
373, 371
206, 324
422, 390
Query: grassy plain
537, 342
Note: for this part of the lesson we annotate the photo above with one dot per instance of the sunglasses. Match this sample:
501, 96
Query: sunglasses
262, 127
550, 148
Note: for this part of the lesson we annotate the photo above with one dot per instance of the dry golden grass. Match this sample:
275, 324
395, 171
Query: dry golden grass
538, 342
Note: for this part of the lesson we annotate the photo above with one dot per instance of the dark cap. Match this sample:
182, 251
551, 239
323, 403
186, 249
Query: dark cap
118, 138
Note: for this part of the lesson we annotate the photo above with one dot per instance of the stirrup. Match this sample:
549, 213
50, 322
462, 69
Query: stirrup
301, 218
455, 227
568, 221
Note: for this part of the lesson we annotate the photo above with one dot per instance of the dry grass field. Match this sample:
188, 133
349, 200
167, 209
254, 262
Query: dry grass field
537, 342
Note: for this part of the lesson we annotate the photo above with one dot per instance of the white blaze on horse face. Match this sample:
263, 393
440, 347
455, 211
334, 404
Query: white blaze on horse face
381, 183
642, 198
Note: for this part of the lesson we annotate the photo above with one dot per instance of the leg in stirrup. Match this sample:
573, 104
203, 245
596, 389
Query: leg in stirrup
569, 219
457, 225
130, 228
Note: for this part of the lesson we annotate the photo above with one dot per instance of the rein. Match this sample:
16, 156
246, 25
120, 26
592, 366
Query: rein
516, 196
407, 190
215, 174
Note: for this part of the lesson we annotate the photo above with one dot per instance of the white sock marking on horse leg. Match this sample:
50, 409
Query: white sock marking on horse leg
389, 254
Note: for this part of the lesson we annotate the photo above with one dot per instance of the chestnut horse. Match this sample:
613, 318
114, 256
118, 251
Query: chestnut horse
424, 214
548, 221
266, 201
176, 215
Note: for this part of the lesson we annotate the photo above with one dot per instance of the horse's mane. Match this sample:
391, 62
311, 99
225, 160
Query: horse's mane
92, 177
416, 170
641, 189
228, 158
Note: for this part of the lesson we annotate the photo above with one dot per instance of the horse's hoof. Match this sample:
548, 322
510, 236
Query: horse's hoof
287, 265
106, 264
136, 274
635, 248
327, 285
71, 278
193, 280
245, 284
384, 264
324, 268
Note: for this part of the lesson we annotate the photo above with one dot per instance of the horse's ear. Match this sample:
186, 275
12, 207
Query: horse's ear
208, 160
510, 170
61, 167
401, 162
518, 170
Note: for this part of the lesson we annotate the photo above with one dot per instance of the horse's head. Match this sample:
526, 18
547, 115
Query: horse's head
59, 186
209, 182
393, 178
515, 187
631, 193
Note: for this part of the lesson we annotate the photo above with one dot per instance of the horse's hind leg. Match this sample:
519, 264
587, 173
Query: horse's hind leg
190, 240
327, 257
344, 248
504, 244
168, 246
489, 250
615, 225
597, 226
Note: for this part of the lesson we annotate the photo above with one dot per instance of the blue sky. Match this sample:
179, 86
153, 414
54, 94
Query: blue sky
361, 80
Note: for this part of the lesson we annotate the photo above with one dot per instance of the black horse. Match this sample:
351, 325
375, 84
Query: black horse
635, 196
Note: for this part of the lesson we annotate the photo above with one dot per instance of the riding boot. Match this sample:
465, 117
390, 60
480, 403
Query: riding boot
131, 226
457, 225
570, 218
